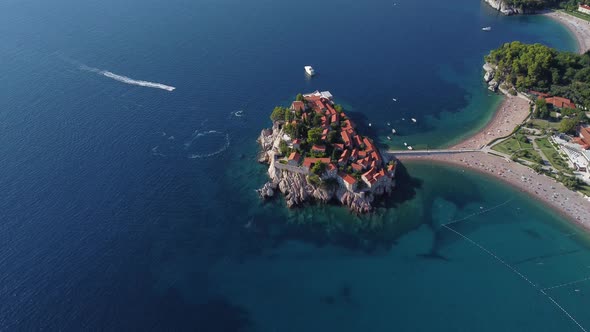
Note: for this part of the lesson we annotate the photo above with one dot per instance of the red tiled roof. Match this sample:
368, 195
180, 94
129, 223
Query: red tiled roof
339, 146
585, 7
347, 178
560, 102
307, 162
540, 94
346, 138
356, 167
294, 156
585, 135
298, 106
320, 148
331, 167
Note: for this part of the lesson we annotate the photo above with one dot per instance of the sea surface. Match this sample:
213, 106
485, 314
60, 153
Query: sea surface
128, 170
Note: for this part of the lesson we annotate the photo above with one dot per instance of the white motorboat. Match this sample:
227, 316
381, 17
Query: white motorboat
369, 124
406, 144
487, 29
410, 148
389, 124
393, 131
413, 120
394, 99
389, 138
309, 70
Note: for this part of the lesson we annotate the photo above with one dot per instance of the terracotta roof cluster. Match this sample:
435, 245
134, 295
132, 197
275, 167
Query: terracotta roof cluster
356, 151
585, 7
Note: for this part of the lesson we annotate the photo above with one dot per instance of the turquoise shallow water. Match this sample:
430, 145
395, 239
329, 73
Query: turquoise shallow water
126, 207
430, 278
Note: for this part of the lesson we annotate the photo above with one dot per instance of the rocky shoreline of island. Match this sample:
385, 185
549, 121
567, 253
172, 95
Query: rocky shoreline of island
315, 155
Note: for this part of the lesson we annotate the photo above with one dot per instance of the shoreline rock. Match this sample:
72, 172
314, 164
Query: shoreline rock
296, 188
504, 8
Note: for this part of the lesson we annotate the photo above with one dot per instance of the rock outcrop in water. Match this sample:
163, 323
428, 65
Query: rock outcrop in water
297, 173
503, 7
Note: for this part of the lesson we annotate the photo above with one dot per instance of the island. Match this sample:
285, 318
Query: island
315, 153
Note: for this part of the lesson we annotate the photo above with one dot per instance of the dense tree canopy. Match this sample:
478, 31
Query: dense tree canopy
541, 68
542, 4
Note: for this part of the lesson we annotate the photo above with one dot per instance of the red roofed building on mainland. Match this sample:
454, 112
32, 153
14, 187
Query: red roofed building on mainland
296, 143
560, 102
294, 158
539, 94
585, 137
298, 106
584, 9
348, 181
354, 155
338, 146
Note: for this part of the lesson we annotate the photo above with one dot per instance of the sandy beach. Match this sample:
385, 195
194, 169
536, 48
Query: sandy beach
511, 112
570, 204
579, 27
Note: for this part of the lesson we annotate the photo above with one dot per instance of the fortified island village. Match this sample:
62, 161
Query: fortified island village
315, 153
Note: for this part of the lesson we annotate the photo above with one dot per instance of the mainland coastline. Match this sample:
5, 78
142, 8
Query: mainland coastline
512, 112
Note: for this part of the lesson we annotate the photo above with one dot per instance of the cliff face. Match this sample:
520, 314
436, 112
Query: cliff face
494, 82
297, 189
504, 8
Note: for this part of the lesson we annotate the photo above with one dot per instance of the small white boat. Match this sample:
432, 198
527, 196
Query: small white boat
394, 99
406, 144
309, 70
410, 148
413, 120
487, 29
403, 119
393, 131
369, 124
389, 138
389, 124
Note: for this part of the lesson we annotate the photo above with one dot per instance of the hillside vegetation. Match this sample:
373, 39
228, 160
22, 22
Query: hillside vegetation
538, 67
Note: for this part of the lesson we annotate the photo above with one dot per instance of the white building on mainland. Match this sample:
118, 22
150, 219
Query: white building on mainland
584, 9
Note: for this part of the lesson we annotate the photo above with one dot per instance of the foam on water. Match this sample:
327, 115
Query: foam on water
198, 134
127, 80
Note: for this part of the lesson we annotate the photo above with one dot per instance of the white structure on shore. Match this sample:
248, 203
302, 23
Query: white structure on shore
584, 9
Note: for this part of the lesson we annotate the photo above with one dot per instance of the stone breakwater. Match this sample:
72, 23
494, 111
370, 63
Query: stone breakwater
293, 182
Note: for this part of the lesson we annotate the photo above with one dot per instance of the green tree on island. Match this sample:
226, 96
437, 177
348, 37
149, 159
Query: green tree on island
299, 97
278, 114
314, 135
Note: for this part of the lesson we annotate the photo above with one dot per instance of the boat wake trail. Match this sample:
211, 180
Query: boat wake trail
127, 80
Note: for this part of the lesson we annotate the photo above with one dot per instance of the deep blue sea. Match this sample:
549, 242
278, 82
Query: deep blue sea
125, 206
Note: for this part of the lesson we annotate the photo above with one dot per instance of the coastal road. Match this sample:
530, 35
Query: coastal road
428, 152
